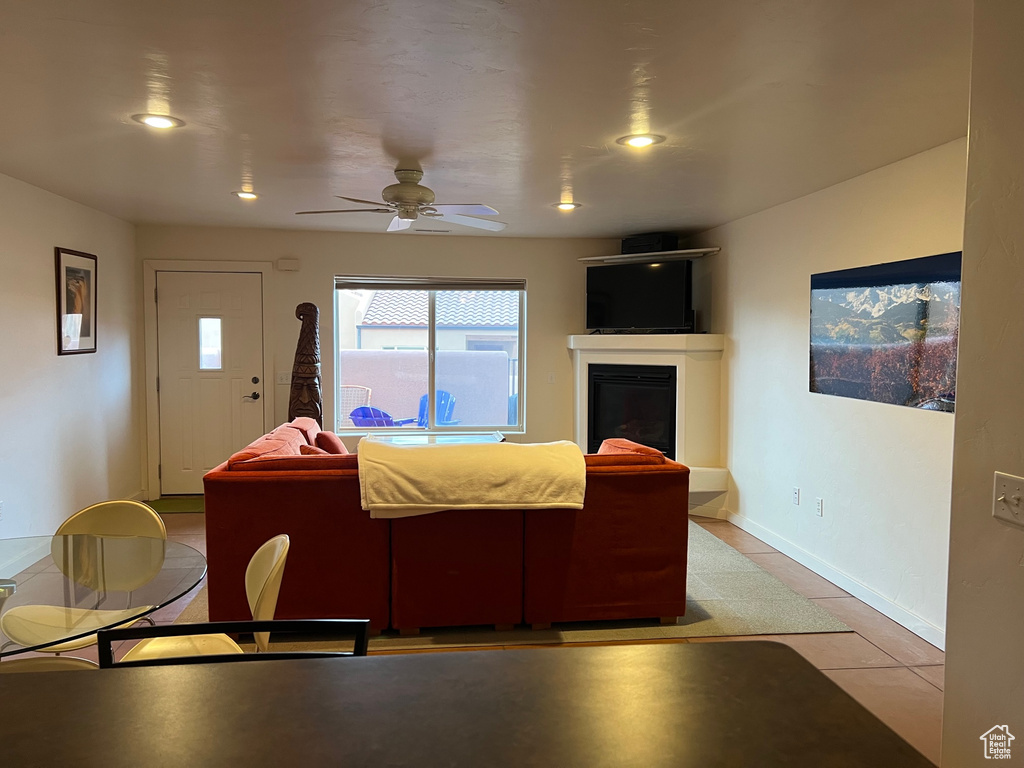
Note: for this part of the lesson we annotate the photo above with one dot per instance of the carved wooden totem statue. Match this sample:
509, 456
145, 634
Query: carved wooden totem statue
305, 398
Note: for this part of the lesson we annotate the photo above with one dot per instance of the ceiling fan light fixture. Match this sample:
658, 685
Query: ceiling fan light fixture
408, 200
567, 206
245, 195
640, 140
162, 122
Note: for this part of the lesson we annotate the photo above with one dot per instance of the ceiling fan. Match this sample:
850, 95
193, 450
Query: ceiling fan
408, 200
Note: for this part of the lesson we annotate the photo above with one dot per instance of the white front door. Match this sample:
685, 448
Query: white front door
211, 377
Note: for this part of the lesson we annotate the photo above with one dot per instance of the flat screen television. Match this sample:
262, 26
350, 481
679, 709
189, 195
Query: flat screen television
641, 297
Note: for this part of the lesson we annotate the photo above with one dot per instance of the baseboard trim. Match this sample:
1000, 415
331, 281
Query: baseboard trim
138, 496
920, 627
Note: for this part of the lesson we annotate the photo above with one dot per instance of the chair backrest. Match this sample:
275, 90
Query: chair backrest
445, 406
263, 582
368, 416
443, 411
352, 396
322, 630
115, 518
54, 664
120, 565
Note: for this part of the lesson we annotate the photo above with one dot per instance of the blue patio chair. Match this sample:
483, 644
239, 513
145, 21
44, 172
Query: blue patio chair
442, 413
368, 416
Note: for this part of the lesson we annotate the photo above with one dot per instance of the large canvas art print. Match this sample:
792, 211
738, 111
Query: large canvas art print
888, 332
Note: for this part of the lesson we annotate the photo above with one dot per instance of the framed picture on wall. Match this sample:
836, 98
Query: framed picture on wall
76, 302
888, 332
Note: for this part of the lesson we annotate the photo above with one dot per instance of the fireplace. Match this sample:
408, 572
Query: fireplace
625, 405
637, 402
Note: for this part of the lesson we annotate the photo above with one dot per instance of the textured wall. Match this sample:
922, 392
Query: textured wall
554, 305
985, 668
883, 471
71, 423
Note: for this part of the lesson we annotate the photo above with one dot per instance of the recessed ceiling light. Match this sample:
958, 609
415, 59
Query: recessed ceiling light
567, 206
158, 121
639, 140
244, 195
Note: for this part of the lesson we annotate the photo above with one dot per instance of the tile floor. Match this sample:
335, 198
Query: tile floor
888, 669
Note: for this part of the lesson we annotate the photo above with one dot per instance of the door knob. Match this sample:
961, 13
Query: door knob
253, 396
255, 379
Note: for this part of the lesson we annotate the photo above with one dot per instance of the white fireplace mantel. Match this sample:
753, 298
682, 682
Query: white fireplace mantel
630, 344
697, 358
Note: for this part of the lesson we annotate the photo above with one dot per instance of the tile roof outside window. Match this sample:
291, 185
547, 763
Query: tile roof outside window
499, 309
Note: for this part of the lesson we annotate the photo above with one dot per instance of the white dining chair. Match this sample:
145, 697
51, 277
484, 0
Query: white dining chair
263, 578
42, 625
47, 664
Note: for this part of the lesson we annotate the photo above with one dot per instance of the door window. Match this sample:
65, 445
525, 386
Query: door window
211, 346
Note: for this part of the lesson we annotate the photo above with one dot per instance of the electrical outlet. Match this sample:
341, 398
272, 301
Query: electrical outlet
796, 495
1008, 499
284, 377
819, 507
551, 377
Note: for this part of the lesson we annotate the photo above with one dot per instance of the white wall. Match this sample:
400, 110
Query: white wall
883, 470
985, 666
555, 293
71, 423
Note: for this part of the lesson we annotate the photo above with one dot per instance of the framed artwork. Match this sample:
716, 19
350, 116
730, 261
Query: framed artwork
888, 332
76, 302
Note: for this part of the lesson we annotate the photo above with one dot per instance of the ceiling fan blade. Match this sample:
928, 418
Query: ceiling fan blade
350, 210
473, 209
377, 203
469, 221
398, 224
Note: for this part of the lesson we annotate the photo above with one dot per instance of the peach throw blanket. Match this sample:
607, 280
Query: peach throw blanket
406, 480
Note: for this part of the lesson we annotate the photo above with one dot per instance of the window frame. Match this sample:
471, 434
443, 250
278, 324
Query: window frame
432, 285
220, 340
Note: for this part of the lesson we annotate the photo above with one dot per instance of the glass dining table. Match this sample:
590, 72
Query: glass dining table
58, 589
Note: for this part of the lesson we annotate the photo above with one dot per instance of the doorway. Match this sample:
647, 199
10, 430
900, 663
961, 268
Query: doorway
210, 372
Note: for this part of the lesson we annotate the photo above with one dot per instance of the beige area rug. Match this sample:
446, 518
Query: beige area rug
727, 594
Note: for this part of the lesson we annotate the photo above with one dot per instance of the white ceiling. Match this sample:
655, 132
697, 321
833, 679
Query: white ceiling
500, 101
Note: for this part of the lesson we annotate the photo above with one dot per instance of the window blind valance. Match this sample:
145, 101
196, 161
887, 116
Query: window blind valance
375, 283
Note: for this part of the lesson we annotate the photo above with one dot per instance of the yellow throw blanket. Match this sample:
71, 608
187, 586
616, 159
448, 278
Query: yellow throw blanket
406, 480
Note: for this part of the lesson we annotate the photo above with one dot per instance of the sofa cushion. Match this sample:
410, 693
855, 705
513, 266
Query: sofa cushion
330, 442
298, 467
307, 426
281, 442
617, 451
312, 450
622, 445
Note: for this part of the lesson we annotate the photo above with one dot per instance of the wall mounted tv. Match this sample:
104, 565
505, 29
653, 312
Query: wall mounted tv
641, 297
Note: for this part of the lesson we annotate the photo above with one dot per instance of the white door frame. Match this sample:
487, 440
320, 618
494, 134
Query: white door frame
149, 270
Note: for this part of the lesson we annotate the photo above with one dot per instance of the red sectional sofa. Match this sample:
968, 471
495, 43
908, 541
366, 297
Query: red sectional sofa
622, 556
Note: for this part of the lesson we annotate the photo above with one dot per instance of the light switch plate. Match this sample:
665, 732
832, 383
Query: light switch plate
1008, 499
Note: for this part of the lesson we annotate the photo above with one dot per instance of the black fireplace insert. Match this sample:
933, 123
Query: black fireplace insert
637, 402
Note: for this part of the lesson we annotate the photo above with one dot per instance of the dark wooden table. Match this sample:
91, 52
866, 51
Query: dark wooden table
718, 704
